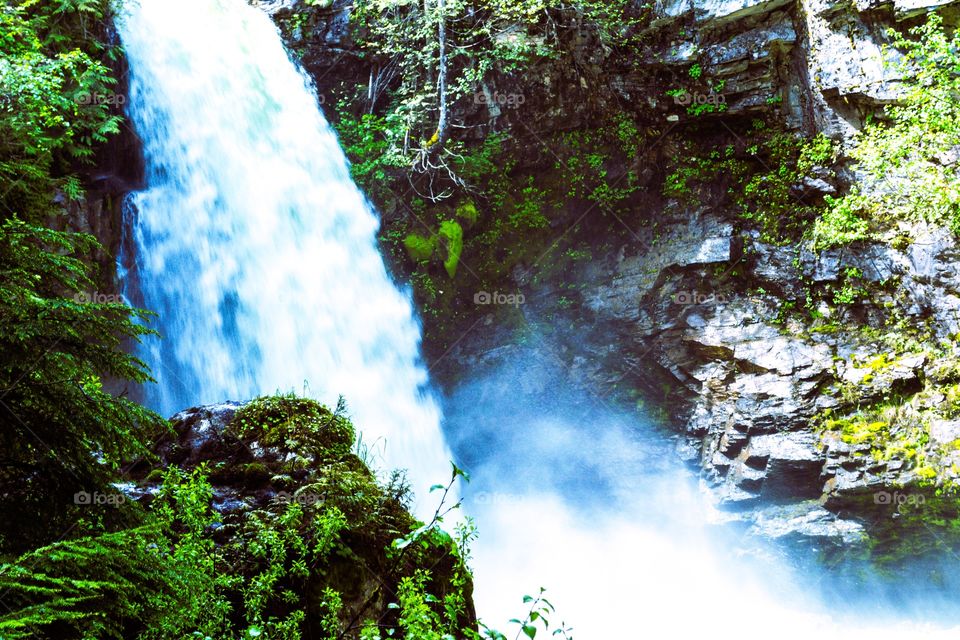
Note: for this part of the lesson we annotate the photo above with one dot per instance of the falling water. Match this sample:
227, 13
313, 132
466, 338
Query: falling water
258, 253
252, 243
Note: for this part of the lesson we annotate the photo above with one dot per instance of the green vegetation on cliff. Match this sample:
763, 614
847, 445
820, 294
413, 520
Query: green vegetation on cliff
910, 156
313, 546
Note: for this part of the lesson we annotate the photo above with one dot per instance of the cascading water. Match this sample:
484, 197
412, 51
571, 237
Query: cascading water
259, 256
252, 243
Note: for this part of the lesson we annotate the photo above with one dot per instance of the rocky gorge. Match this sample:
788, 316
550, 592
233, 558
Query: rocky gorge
806, 426
689, 316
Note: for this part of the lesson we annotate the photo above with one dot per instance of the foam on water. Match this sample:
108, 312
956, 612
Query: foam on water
251, 241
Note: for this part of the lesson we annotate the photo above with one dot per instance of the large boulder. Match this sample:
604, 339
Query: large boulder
265, 456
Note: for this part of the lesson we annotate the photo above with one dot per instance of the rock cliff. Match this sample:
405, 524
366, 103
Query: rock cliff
700, 311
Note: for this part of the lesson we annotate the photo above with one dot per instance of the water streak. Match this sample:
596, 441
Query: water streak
251, 241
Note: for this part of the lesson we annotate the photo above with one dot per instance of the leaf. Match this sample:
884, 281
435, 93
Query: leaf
460, 473
530, 630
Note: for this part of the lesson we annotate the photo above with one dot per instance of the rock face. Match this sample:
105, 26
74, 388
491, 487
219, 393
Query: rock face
755, 388
266, 455
822, 61
762, 396
771, 403
818, 65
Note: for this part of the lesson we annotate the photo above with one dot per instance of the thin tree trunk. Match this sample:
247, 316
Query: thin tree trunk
443, 125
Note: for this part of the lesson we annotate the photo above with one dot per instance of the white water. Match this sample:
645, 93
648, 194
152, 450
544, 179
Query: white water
597, 511
252, 243
259, 255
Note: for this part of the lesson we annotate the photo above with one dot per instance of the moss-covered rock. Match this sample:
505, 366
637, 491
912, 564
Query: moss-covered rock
295, 509
294, 424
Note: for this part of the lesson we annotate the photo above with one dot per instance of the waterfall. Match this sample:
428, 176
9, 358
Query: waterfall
259, 255
251, 242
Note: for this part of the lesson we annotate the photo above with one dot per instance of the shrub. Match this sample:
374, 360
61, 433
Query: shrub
290, 422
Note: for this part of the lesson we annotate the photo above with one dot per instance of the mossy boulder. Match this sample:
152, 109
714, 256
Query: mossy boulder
292, 423
283, 472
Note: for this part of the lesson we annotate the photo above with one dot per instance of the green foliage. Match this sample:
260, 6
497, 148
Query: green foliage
154, 581
58, 348
56, 99
332, 604
908, 155
371, 142
768, 197
527, 211
296, 423
584, 159
761, 178
277, 561
845, 220
481, 41
56, 106
110, 586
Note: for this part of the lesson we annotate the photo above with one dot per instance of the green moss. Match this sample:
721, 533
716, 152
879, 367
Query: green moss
256, 473
419, 248
154, 476
452, 234
759, 175
902, 148
467, 211
926, 525
290, 422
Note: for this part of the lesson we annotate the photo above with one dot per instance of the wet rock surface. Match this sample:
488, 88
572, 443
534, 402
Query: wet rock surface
746, 387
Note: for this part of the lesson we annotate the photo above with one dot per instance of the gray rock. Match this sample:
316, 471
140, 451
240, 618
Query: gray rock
817, 186
949, 157
806, 521
945, 431
275, 6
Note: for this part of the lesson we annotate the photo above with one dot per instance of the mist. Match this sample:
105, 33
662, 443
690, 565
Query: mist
591, 502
